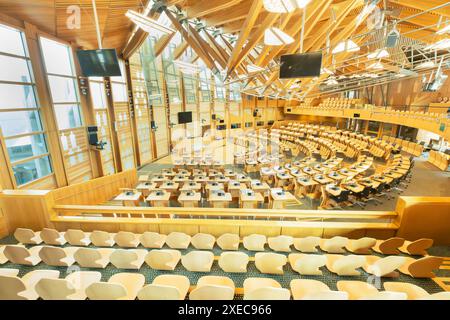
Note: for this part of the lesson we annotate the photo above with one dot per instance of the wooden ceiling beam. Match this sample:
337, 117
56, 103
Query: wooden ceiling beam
178, 52
425, 5
206, 7
162, 43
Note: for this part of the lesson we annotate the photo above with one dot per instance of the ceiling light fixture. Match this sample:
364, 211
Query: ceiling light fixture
348, 46
147, 24
276, 37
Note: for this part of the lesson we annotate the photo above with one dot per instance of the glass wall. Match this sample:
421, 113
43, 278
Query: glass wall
20, 120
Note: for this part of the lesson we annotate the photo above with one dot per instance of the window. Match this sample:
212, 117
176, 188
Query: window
119, 86
20, 119
151, 72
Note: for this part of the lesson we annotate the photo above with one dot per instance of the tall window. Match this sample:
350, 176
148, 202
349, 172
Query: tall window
19, 110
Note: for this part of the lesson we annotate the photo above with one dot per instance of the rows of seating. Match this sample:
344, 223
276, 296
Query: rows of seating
410, 147
439, 159
82, 285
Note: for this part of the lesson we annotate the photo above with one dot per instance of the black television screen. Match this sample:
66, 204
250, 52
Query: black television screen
184, 117
99, 63
301, 65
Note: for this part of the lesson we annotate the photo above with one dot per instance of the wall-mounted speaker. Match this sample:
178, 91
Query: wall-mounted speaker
93, 135
153, 125
213, 117
288, 109
356, 115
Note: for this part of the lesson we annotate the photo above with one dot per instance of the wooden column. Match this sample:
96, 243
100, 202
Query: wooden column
112, 126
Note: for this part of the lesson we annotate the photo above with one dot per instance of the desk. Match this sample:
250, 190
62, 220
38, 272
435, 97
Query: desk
159, 179
382, 179
243, 178
219, 201
213, 186
250, 199
169, 186
131, 200
369, 183
353, 187
336, 176
333, 190
347, 173
146, 187
221, 179
180, 178
322, 179
279, 198
261, 187
234, 187
143, 178
190, 201
191, 186
309, 171
159, 200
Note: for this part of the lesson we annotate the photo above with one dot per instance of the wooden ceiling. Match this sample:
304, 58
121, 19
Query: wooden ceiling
51, 16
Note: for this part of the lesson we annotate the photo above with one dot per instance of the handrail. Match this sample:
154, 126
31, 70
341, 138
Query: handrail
63, 210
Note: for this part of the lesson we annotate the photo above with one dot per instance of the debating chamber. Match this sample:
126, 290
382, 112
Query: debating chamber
224, 150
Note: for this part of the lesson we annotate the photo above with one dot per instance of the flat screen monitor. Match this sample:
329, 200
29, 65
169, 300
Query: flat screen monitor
301, 65
99, 63
184, 117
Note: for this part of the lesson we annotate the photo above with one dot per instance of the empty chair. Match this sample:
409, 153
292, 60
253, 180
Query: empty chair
165, 287
27, 236
15, 288
126, 239
9, 272
345, 265
414, 292
198, 261
361, 246
228, 241
421, 268
18, 254
304, 289
254, 242
73, 287
389, 246
3, 258
153, 240
213, 288
203, 241
58, 257
233, 262
307, 244
128, 259
307, 264
163, 259
93, 258
77, 238
121, 286
178, 240
53, 237
384, 267
102, 239
264, 289
271, 263
357, 289
334, 245
416, 248
281, 243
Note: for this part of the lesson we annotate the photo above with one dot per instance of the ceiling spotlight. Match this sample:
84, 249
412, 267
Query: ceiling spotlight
347, 46
284, 6
444, 30
147, 24
276, 37
378, 54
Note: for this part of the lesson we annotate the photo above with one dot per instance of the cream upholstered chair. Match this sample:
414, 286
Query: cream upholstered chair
166, 287
15, 288
128, 259
307, 244
53, 237
359, 290
361, 246
163, 259
18, 254
213, 288
421, 268
345, 265
198, 261
414, 292
384, 267
304, 289
73, 287
416, 248
102, 239
178, 240
255, 242
228, 241
203, 241
3, 258
121, 286
264, 289
78, 238
334, 245
281, 243
9, 272
307, 264
58, 257
27, 236
126, 239
389, 246
235, 262
93, 258
271, 263
153, 240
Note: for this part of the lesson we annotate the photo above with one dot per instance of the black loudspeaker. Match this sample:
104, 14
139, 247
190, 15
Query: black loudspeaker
255, 114
356, 115
93, 135
288, 109
222, 121
213, 117
153, 125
